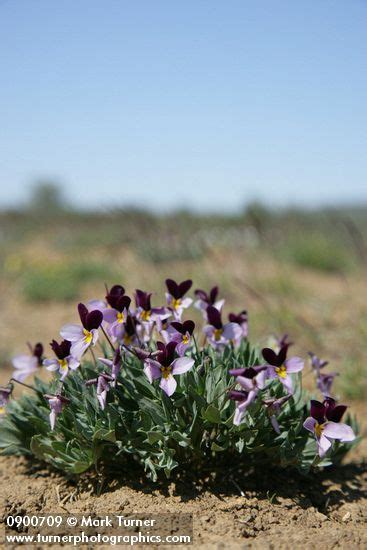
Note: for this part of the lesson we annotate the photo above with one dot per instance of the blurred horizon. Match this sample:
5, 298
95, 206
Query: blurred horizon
198, 106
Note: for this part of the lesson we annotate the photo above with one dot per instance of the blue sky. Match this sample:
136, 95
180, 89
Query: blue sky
205, 104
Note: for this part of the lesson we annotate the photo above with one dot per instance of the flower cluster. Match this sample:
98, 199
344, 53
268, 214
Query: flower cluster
154, 363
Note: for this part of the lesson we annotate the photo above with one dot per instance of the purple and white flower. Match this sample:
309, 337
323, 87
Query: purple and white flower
324, 381
176, 300
116, 315
103, 383
114, 364
180, 333
165, 366
147, 315
204, 300
324, 423
63, 361
280, 367
242, 321
5, 393
251, 380
25, 365
82, 337
57, 403
217, 333
273, 407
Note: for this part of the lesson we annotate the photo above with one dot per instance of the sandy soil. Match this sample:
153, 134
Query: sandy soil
273, 509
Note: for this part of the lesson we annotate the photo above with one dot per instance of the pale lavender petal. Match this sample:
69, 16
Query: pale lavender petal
238, 414
275, 424
309, 424
73, 333
245, 383
78, 348
271, 373
95, 334
208, 330
294, 364
181, 365
105, 361
323, 444
261, 379
186, 302
219, 304
109, 315
231, 331
52, 419
24, 362
168, 385
73, 362
335, 430
181, 348
51, 364
102, 398
152, 369
287, 383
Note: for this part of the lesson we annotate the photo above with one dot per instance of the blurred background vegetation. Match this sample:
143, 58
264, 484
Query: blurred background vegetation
299, 271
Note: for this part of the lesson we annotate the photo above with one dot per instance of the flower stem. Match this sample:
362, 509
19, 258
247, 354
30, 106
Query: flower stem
108, 338
25, 385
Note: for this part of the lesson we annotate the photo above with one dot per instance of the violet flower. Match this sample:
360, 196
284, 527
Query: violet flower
57, 403
276, 343
175, 297
280, 367
114, 364
251, 380
82, 337
217, 333
130, 332
5, 393
273, 407
324, 381
103, 385
204, 300
27, 364
325, 424
165, 366
180, 333
117, 314
148, 315
242, 320
64, 360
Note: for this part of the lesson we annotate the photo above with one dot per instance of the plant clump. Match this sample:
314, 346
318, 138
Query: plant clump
140, 382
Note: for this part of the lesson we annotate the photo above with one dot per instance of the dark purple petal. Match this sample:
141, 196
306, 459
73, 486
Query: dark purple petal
143, 299
116, 292
270, 357
38, 352
83, 312
214, 317
202, 295
123, 302
61, 350
184, 287
173, 288
189, 326
318, 411
336, 413
237, 395
178, 326
94, 319
237, 372
282, 355
213, 294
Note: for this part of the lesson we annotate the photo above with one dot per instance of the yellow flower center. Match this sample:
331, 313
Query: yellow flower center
176, 303
166, 371
88, 336
319, 429
281, 371
63, 364
217, 334
185, 339
120, 317
145, 315
127, 339
2, 410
